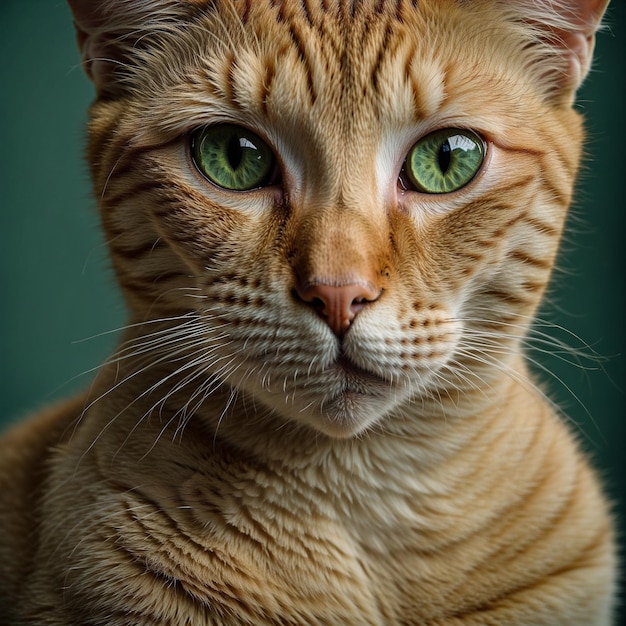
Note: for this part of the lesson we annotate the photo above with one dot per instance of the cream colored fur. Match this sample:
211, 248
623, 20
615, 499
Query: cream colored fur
238, 459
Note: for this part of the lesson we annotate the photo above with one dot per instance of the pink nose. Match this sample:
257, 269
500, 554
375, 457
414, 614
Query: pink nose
338, 305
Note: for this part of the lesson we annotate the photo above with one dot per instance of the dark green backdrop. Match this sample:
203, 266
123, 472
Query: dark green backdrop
57, 296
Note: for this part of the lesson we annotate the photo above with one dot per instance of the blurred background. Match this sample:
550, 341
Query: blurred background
59, 304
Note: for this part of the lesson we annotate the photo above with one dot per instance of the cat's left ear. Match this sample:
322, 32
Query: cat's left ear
569, 27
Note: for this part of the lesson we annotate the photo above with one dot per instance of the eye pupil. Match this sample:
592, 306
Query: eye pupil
234, 152
444, 156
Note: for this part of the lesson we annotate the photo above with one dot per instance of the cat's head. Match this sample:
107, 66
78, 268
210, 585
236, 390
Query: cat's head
342, 207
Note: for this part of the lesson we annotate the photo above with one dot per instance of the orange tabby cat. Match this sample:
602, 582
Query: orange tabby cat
333, 222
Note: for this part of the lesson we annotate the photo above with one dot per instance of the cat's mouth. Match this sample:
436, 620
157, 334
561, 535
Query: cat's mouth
357, 400
340, 400
358, 380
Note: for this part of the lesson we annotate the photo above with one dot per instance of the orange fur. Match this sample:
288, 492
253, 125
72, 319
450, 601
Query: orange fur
243, 459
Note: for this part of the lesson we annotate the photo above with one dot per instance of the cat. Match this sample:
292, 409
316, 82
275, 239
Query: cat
332, 222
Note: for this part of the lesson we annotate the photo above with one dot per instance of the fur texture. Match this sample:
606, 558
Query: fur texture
253, 453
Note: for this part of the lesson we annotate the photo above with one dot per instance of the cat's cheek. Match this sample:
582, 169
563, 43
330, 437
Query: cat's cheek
205, 226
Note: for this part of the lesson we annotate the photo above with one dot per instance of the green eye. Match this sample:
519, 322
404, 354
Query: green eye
445, 160
233, 157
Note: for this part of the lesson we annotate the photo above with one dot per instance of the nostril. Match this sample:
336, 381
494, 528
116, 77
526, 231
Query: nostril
358, 304
318, 304
338, 305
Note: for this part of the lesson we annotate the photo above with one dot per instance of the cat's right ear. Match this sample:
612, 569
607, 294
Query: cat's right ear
112, 34
96, 43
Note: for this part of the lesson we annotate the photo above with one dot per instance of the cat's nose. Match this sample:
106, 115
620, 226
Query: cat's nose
338, 305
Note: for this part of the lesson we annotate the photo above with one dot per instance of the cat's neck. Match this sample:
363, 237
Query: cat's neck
417, 459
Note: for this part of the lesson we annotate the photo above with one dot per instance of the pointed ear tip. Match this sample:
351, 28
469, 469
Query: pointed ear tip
598, 9
87, 13
77, 8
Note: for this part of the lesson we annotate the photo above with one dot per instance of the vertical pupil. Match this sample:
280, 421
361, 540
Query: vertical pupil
443, 157
234, 152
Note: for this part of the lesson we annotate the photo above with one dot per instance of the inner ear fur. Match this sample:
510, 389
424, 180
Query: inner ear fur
568, 27
109, 33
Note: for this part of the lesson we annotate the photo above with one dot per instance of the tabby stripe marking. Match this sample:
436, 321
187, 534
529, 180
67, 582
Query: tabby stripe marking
266, 537
562, 197
150, 285
150, 279
227, 79
100, 145
176, 531
246, 12
120, 152
180, 238
266, 84
132, 254
505, 320
531, 286
540, 226
124, 157
381, 8
555, 520
301, 49
568, 164
527, 259
524, 500
307, 12
136, 189
515, 185
419, 102
168, 302
507, 297
384, 50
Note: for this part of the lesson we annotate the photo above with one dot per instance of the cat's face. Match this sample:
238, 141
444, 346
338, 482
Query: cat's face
348, 210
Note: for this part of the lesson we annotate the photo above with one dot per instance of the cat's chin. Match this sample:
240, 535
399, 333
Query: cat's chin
340, 400
356, 404
340, 404
348, 414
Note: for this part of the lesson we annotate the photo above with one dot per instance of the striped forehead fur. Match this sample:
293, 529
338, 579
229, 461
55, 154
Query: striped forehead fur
365, 56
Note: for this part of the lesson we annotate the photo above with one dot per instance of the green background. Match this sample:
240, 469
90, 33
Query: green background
58, 302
